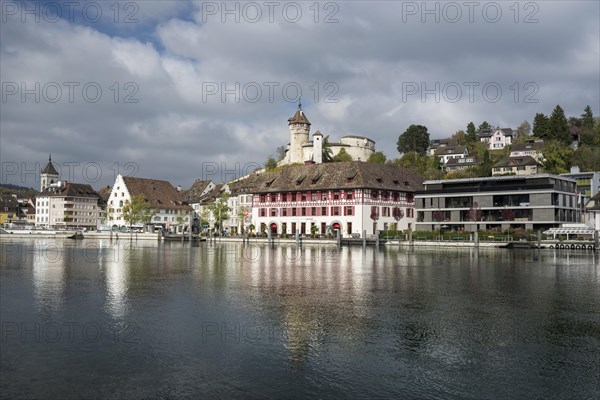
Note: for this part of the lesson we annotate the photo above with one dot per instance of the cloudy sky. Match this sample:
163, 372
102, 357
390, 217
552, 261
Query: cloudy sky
182, 90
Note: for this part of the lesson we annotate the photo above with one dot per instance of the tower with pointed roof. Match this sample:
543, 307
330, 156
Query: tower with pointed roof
299, 130
49, 175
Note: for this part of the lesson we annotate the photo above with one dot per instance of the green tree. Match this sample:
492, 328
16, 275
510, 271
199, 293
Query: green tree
485, 168
587, 158
136, 210
523, 131
280, 151
460, 137
342, 156
484, 125
587, 118
271, 163
540, 125
415, 138
378, 157
558, 126
471, 133
557, 157
220, 210
327, 153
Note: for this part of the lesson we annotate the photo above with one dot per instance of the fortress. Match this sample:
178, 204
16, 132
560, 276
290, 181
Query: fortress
302, 150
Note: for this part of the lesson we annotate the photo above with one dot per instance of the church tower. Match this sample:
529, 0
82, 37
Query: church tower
299, 130
48, 176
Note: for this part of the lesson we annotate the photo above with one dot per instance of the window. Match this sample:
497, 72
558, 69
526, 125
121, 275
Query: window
385, 195
335, 211
349, 210
284, 212
263, 213
303, 210
385, 211
303, 196
323, 195
284, 197
410, 212
293, 211
273, 212
293, 196
349, 194
313, 211
273, 198
261, 198
374, 194
313, 196
323, 210
336, 195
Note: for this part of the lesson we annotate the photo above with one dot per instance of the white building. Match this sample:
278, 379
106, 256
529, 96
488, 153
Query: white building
67, 205
301, 149
448, 153
496, 138
171, 211
320, 199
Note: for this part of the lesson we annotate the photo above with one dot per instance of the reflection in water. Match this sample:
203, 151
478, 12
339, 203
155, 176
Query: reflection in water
48, 265
117, 280
324, 322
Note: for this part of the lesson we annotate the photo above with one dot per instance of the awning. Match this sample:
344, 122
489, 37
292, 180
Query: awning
570, 231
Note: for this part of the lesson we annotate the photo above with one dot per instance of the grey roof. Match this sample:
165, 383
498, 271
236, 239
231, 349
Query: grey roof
537, 146
516, 162
440, 151
49, 169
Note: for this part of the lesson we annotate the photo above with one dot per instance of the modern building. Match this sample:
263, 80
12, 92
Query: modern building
592, 209
168, 204
320, 199
301, 149
539, 201
588, 183
67, 205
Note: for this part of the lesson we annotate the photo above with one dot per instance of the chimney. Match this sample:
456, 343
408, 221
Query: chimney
178, 188
575, 169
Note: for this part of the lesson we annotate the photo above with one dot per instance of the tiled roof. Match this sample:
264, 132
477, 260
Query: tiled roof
194, 193
213, 195
70, 189
160, 194
440, 151
516, 162
7, 200
49, 168
299, 117
339, 175
527, 146
104, 193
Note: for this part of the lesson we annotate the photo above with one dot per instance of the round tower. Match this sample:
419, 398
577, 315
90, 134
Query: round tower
299, 130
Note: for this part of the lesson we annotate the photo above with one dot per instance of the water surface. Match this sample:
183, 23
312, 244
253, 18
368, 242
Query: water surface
99, 319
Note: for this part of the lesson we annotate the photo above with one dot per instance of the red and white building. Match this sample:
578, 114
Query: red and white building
322, 198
